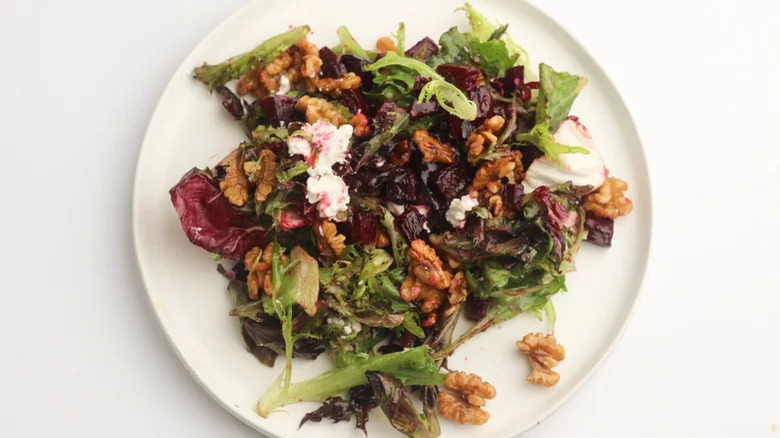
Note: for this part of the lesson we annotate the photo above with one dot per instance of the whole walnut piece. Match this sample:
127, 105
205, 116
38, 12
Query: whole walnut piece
360, 124
429, 298
456, 294
609, 200
544, 353
464, 404
329, 241
263, 173
490, 174
316, 109
335, 87
235, 186
312, 63
427, 266
483, 136
258, 263
432, 150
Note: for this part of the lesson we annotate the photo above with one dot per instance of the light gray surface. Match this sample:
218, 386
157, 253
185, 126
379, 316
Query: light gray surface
83, 356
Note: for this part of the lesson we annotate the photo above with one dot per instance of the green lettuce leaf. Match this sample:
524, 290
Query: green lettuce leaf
410, 367
557, 91
483, 30
233, 68
541, 137
494, 58
400, 38
454, 49
447, 95
350, 45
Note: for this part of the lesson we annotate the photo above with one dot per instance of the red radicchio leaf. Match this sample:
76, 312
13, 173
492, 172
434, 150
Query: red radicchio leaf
210, 221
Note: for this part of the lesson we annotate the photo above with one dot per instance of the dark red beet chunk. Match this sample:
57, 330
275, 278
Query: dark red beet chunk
600, 229
411, 223
512, 196
278, 109
355, 102
449, 182
424, 49
210, 221
463, 76
363, 227
386, 115
356, 64
476, 308
423, 109
402, 186
331, 66
481, 96
459, 128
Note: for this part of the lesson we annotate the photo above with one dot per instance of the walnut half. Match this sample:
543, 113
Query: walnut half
427, 266
431, 149
329, 241
544, 353
609, 200
464, 404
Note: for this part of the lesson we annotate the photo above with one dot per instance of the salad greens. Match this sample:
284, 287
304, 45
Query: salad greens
379, 196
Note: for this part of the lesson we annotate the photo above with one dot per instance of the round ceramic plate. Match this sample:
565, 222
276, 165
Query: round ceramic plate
190, 128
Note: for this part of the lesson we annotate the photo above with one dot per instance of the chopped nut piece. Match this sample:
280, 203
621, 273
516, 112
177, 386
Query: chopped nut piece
469, 384
609, 200
430, 298
457, 293
431, 149
311, 58
426, 265
460, 410
329, 241
360, 124
490, 177
249, 82
335, 86
263, 173
381, 240
269, 75
401, 154
472, 393
483, 136
258, 263
235, 186
319, 109
385, 44
544, 353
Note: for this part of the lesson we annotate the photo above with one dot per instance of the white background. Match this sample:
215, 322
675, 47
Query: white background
82, 355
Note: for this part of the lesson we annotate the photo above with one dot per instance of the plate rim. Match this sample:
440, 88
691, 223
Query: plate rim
183, 69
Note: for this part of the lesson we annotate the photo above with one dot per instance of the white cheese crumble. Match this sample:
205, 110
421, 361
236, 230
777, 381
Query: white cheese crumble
284, 85
325, 146
456, 213
580, 169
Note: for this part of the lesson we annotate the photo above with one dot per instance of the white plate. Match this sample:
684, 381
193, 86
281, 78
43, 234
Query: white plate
190, 128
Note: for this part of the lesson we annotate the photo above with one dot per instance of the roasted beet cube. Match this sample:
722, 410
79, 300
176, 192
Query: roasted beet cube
450, 182
423, 50
459, 128
600, 229
278, 109
402, 186
331, 66
363, 227
411, 224
367, 181
481, 96
356, 64
355, 102
476, 308
423, 109
463, 76
386, 115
